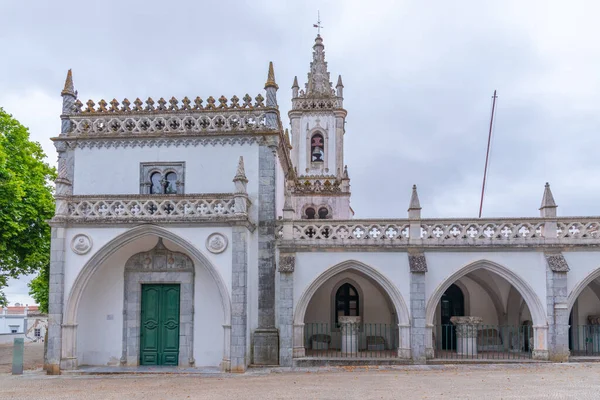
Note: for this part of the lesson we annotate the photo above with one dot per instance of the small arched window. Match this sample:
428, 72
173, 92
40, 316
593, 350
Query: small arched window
346, 302
317, 148
323, 212
156, 183
310, 213
171, 183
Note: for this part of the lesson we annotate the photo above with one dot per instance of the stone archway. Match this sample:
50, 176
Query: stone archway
400, 308
158, 265
69, 326
538, 314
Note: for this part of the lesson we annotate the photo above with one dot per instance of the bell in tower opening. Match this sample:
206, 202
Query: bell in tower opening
316, 148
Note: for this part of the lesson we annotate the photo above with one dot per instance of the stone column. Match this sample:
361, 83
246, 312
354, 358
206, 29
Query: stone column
540, 342
418, 332
68, 359
557, 309
404, 341
466, 334
265, 346
287, 264
56, 299
239, 301
349, 330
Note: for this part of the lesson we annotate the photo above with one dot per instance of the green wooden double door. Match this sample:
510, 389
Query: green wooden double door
159, 330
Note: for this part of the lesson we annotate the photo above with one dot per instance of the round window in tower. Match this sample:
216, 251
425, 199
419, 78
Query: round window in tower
310, 213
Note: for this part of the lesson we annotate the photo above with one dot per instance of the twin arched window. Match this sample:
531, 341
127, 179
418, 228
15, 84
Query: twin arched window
166, 184
317, 148
346, 302
312, 214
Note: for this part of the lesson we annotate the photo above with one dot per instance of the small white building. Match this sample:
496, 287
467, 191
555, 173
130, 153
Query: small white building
22, 321
199, 232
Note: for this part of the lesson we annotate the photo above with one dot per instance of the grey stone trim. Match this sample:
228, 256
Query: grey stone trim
158, 265
239, 301
557, 262
56, 299
149, 168
557, 309
148, 141
418, 312
417, 262
286, 313
287, 262
266, 237
265, 338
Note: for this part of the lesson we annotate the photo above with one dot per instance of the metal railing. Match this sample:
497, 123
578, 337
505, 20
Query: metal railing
359, 341
483, 342
585, 340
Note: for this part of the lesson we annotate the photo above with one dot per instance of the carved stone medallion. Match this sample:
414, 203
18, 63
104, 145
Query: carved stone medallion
81, 244
417, 262
216, 243
287, 262
557, 262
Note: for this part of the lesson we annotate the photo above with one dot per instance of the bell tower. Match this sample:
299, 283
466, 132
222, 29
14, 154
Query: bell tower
321, 187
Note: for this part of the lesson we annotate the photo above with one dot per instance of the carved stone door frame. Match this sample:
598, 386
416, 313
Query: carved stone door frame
159, 265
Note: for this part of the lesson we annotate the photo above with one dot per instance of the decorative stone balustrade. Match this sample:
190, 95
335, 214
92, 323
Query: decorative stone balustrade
160, 123
444, 232
150, 208
304, 103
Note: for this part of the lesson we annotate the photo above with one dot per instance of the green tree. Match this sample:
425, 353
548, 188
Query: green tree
26, 203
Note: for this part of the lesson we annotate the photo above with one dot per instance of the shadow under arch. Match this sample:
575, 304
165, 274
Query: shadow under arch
580, 286
536, 308
92, 265
351, 265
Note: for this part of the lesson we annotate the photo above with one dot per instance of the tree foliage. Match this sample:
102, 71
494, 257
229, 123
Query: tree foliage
26, 203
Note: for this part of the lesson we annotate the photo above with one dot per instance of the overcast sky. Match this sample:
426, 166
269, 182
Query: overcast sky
418, 79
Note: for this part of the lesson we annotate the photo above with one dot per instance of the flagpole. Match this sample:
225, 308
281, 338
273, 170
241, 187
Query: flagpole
487, 154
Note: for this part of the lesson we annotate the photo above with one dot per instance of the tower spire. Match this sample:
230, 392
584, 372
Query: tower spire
548, 207
318, 84
69, 89
415, 204
271, 77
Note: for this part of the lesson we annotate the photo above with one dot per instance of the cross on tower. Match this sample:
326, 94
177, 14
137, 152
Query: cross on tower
318, 24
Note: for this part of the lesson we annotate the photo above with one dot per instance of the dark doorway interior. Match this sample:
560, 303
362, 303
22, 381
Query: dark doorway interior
453, 305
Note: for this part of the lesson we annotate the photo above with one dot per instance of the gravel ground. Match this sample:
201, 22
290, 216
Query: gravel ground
34, 357
538, 381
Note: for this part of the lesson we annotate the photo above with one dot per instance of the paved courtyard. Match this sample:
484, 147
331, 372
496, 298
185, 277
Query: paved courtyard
537, 381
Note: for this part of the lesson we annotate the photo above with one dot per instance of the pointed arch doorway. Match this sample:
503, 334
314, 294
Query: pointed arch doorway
452, 305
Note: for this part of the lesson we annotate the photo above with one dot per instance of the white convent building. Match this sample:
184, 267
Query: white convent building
200, 233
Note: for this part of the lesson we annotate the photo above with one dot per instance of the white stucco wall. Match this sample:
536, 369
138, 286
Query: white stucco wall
7, 321
581, 264
394, 266
374, 306
529, 266
100, 312
208, 169
102, 235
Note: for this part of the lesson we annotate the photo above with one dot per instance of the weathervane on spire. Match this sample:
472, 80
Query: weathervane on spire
318, 24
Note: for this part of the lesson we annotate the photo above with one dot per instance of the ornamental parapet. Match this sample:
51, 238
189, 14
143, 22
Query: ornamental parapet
518, 232
151, 208
318, 184
317, 103
155, 119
